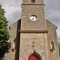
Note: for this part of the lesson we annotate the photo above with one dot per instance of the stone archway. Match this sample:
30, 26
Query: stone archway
34, 56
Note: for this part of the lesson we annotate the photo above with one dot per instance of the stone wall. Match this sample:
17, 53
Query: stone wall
13, 31
52, 36
30, 42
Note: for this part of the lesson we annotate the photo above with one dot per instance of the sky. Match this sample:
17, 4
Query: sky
52, 11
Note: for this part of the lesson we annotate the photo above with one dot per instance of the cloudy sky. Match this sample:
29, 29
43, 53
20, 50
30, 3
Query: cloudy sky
52, 11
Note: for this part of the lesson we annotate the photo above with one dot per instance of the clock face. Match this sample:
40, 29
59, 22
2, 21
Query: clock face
33, 18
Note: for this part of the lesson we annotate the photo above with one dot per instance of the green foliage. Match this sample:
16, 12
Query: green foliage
4, 34
59, 49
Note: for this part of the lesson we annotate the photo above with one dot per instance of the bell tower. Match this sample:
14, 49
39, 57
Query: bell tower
33, 15
36, 33
33, 32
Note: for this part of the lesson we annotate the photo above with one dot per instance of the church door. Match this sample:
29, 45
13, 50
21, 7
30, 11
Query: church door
34, 57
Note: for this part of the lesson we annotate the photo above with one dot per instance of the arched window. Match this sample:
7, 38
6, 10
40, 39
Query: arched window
52, 46
33, 1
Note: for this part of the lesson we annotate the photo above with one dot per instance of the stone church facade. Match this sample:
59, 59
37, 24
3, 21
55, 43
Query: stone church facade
33, 37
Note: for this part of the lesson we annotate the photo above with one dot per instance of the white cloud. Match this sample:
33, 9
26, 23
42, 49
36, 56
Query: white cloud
10, 10
13, 10
57, 14
58, 34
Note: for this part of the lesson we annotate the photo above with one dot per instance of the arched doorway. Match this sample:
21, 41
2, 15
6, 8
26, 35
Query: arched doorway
34, 56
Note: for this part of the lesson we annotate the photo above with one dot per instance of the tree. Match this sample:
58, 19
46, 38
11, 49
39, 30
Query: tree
59, 49
4, 34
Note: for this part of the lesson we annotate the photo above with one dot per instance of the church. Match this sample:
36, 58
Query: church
33, 37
